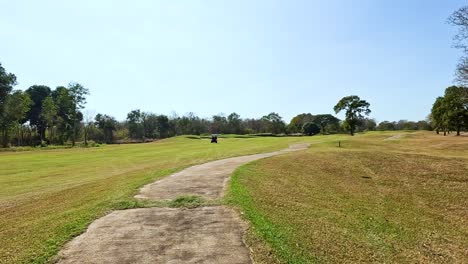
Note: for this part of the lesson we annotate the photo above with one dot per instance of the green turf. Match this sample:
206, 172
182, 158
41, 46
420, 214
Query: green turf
49, 196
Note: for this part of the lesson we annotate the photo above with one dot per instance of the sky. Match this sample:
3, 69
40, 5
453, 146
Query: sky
249, 57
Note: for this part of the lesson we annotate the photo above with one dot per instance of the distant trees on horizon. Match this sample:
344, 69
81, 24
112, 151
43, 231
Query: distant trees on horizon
40, 116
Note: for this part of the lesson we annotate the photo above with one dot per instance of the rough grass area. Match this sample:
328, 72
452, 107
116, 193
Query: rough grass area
398, 201
48, 197
189, 201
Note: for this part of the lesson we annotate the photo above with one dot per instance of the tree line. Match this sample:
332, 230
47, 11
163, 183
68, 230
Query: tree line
40, 116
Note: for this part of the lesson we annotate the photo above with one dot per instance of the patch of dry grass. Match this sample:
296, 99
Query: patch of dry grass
398, 201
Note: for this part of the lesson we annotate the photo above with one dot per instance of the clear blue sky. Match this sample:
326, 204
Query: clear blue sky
251, 57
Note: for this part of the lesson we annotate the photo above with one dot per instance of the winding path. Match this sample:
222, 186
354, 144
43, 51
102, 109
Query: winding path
211, 234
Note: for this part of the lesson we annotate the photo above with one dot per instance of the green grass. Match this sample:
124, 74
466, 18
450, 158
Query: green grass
187, 201
394, 201
48, 197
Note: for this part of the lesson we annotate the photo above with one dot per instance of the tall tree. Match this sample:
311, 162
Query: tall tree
460, 19
234, 123
7, 81
88, 124
355, 110
438, 119
14, 111
325, 120
78, 99
49, 114
150, 125
64, 122
107, 124
275, 123
135, 126
456, 100
310, 128
218, 124
296, 124
38, 93
163, 126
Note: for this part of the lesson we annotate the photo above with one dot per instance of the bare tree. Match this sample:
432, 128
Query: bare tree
459, 18
88, 122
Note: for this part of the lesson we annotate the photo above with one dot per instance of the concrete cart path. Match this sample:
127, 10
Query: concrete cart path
207, 180
168, 235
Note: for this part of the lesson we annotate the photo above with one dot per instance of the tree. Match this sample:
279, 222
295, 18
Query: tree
107, 125
451, 110
163, 126
325, 120
87, 124
438, 119
77, 94
460, 19
64, 122
150, 125
275, 123
15, 106
386, 125
423, 125
296, 124
49, 114
456, 107
135, 126
310, 129
219, 124
234, 123
7, 81
38, 93
355, 110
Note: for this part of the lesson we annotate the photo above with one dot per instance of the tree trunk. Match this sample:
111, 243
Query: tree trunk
5, 138
86, 130
74, 133
458, 130
445, 132
18, 139
437, 131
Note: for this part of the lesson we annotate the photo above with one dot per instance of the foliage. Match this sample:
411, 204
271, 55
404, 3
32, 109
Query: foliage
7, 81
460, 19
404, 125
355, 110
310, 128
107, 124
275, 123
14, 111
38, 93
296, 124
450, 112
326, 120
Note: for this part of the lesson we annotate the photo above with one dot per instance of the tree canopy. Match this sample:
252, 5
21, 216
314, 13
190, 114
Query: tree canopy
451, 111
354, 108
459, 18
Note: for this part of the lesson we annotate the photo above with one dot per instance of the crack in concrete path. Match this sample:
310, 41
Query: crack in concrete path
169, 235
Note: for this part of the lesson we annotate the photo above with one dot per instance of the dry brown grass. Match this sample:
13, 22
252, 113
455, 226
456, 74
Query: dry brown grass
398, 201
